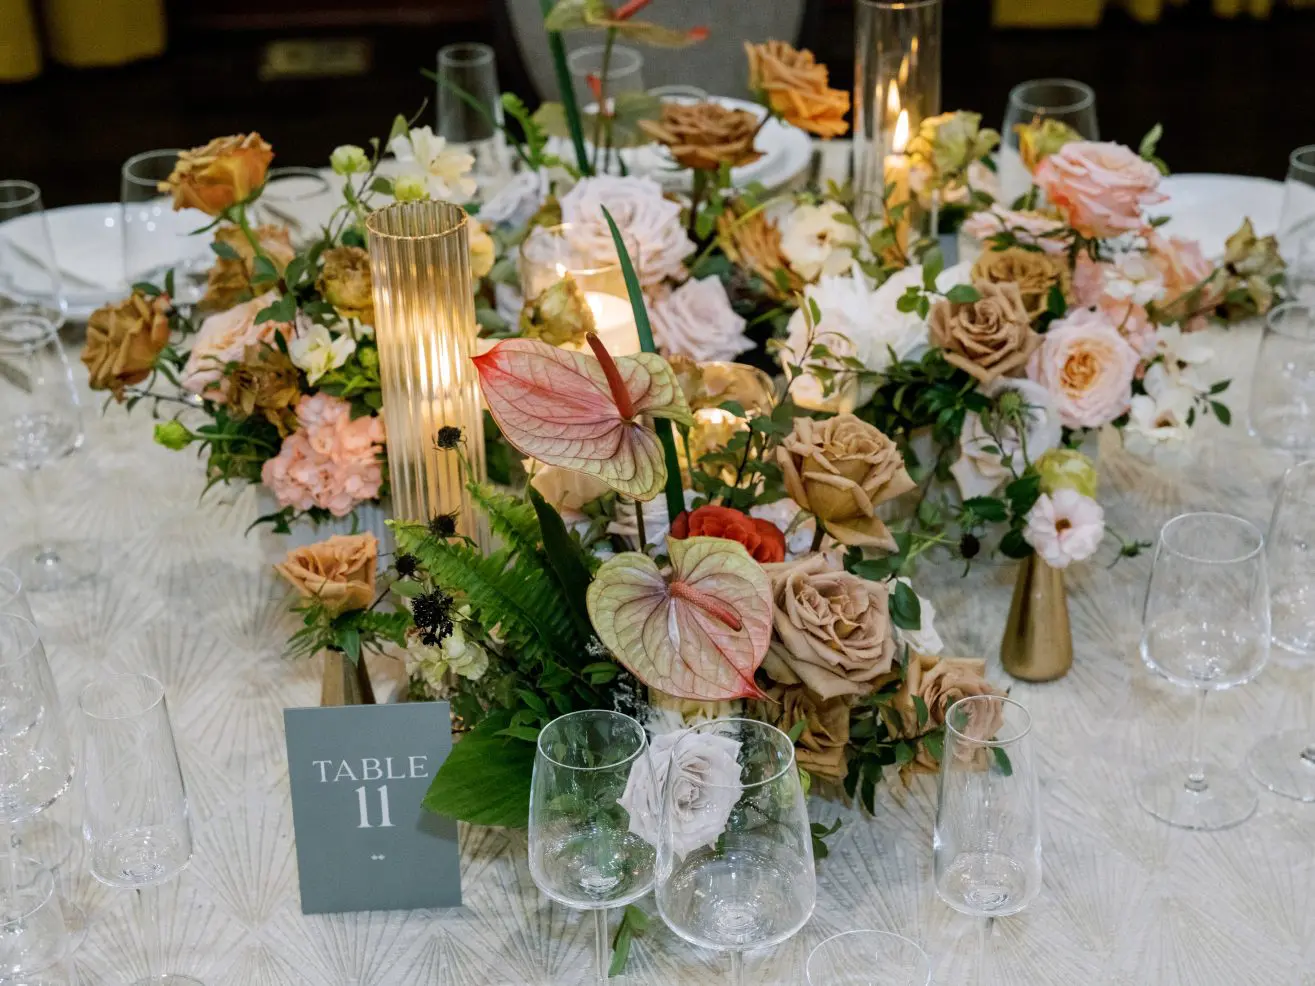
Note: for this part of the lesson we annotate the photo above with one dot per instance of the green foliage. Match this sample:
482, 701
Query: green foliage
352, 633
634, 922
486, 778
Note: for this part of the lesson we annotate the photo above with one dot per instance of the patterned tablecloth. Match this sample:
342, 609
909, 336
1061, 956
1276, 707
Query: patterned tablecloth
185, 595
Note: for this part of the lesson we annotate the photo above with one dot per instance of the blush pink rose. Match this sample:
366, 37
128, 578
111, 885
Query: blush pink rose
1087, 366
331, 461
1183, 266
1088, 281
1134, 324
1029, 228
222, 339
1100, 187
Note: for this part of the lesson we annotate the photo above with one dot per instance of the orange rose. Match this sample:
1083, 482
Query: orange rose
224, 172
796, 86
760, 538
339, 572
123, 341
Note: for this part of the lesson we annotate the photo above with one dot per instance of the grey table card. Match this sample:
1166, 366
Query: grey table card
358, 774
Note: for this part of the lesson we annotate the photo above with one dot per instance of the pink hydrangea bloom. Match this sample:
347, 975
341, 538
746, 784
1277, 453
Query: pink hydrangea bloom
331, 461
1101, 187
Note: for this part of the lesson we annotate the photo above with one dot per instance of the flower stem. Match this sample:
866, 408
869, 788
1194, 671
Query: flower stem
700, 179
818, 534
639, 526
602, 114
569, 106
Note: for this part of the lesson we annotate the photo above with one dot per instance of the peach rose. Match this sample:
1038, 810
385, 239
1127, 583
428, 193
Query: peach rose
338, 572
797, 87
1100, 187
224, 172
222, 339
1087, 366
123, 341
1184, 267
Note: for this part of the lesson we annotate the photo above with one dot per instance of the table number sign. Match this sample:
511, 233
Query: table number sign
358, 775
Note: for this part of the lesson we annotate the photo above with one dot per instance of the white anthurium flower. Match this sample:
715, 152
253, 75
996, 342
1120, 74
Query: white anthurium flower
1134, 277
925, 639
703, 771
444, 170
986, 461
316, 350
816, 240
1065, 527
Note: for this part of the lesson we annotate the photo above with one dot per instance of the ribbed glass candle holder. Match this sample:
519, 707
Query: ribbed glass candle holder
425, 330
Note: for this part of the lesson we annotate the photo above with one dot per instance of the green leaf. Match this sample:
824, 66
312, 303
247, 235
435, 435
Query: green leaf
146, 288
400, 128
920, 706
905, 607
932, 265
1220, 387
1056, 303
485, 779
407, 588
988, 508
1013, 545
963, 294
935, 743
1222, 412
225, 251
797, 730
350, 642
565, 557
904, 752
1002, 761
1148, 143
382, 185
263, 269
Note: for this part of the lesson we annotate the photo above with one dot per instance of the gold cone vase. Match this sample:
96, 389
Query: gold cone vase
1038, 644
345, 682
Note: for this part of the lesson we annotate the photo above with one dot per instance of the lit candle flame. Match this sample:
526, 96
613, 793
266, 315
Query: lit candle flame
561, 270
892, 101
901, 138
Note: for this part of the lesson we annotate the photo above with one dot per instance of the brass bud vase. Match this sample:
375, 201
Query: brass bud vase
1038, 644
345, 682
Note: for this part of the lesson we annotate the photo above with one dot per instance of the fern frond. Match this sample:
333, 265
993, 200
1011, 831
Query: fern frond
510, 518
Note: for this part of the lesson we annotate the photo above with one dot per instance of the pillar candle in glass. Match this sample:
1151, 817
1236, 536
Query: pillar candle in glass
425, 329
897, 85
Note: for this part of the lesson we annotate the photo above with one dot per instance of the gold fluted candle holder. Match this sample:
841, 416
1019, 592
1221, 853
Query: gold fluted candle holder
425, 330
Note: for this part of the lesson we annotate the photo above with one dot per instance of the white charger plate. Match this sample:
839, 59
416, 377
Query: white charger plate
1209, 208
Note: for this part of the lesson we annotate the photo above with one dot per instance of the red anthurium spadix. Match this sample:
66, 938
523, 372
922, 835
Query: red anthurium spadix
584, 412
698, 631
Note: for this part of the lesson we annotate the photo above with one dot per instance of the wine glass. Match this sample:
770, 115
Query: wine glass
33, 942
300, 199
584, 850
1205, 626
735, 852
1285, 763
617, 68
470, 107
868, 958
1296, 231
1282, 408
136, 827
155, 238
1065, 100
986, 844
13, 601
29, 277
40, 421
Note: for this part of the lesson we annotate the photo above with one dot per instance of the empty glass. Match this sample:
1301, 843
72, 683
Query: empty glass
155, 237
617, 69
1285, 763
40, 422
300, 199
1205, 626
1065, 100
735, 853
29, 277
36, 763
584, 850
32, 935
1282, 409
13, 601
136, 824
1296, 230
470, 107
868, 958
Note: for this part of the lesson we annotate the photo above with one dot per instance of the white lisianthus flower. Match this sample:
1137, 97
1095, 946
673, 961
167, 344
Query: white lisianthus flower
316, 350
1159, 416
348, 159
1133, 277
443, 170
516, 202
816, 242
703, 770
410, 188
925, 639
696, 320
649, 223
1065, 527
457, 653
1185, 353
986, 460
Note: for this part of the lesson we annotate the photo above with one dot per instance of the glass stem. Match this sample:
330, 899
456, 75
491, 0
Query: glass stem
602, 949
148, 920
1196, 781
33, 489
737, 968
11, 854
983, 951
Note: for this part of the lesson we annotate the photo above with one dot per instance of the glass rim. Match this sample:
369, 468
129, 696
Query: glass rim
623, 60
32, 189
1086, 96
559, 231
630, 758
1173, 523
49, 332
990, 743
758, 724
464, 54
374, 221
43, 880
295, 171
91, 687
126, 172
899, 4
890, 936
1296, 155
1274, 318
26, 651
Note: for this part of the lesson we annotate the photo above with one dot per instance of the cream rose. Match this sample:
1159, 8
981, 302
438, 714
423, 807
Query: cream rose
338, 572
1087, 367
696, 320
816, 241
649, 222
223, 338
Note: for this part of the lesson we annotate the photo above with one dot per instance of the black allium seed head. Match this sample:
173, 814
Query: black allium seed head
406, 565
443, 525
969, 546
449, 437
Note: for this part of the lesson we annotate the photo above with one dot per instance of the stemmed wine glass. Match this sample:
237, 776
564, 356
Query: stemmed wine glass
40, 422
584, 852
137, 829
33, 942
1282, 407
735, 852
1285, 763
1064, 100
986, 844
868, 958
1205, 626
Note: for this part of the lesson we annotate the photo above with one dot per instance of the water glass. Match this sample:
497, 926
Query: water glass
735, 852
13, 601
136, 826
1296, 229
1282, 408
470, 106
1065, 100
616, 68
1205, 626
679, 94
29, 277
155, 237
300, 199
584, 850
40, 422
36, 762
868, 958
32, 933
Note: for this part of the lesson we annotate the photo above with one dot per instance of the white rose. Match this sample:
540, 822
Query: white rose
696, 320
426, 156
516, 202
925, 639
703, 772
649, 223
986, 460
816, 242
317, 351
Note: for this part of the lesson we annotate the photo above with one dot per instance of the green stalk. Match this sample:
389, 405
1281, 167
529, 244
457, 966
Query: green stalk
569, 105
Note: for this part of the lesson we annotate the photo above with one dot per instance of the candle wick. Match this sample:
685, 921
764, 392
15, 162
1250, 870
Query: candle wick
624, 404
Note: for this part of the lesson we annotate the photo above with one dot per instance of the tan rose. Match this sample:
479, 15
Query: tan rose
230, 278
705, 136
990, 338
224, 172
339, 572
1034, 273
752, 241
796, 87
839, 470
345, 283
940, 682
820, 749
265, 382
833, 629
123, 341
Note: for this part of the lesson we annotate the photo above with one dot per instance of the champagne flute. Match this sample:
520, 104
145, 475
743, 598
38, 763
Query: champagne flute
13, 601
1205, 626
584, 850
868, 958
29, 277
155, 240
986, 844
735, 851
470, 108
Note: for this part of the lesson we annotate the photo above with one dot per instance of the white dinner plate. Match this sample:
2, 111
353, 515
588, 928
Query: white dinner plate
1210, 208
